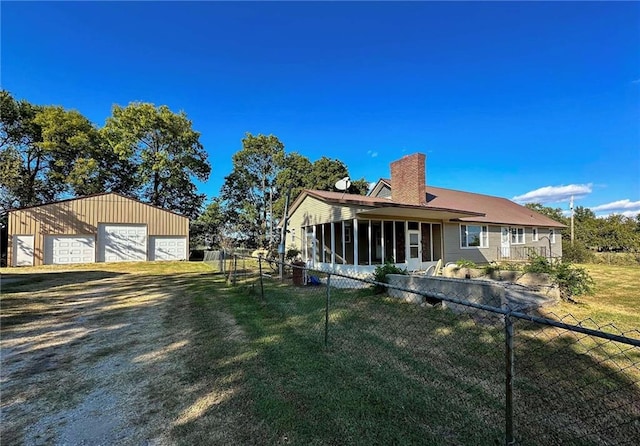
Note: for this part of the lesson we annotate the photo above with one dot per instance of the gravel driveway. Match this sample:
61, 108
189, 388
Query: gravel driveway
95, 357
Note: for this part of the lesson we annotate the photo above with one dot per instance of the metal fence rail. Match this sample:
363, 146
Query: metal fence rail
517, 376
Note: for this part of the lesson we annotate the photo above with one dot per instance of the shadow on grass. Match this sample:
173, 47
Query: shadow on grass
399, 373
18, 283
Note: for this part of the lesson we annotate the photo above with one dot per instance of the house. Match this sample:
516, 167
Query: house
106, 227
413, 225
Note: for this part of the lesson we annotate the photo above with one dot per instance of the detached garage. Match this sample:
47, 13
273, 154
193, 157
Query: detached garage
104, 228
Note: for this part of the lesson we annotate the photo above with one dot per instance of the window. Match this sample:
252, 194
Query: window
552, 235
517, 236
534, 234
472, 236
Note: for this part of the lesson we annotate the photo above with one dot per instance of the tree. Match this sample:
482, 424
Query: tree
47, 151
208, 228
164, 155
250, 188
553, 213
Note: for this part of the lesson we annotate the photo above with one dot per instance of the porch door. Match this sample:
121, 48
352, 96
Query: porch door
505, 244
414, 249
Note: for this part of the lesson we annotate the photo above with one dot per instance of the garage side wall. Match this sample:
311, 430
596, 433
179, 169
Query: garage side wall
82, 216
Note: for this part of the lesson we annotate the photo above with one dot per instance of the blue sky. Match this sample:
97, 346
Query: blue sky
529, 101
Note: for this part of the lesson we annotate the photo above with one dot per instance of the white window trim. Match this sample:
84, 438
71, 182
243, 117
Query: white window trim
552, 235
534, 234
517, 229
484, 237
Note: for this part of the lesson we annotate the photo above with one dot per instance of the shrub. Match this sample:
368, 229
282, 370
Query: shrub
464, 263
491, 268
573, 281
538, 264
380, 275
292, 254
576, 253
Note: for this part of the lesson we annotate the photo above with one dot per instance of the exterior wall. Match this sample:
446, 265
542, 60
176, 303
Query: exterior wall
82, 216
453, 252
314, 212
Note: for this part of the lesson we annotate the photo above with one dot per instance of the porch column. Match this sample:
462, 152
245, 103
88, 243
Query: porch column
369, 244
344, 245
333, 244
355, 243
314, 245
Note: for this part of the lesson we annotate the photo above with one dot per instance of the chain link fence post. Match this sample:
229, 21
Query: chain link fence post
509, 368
326, 312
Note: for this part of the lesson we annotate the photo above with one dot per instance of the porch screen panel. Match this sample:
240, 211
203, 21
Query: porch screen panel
400, 242
425, 229
388, 241
326, 246
363, 242
436, 231
308, 243
348, 242
337, 230
375, 243
319, 242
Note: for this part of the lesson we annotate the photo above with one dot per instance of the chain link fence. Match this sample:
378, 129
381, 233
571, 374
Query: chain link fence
464, 358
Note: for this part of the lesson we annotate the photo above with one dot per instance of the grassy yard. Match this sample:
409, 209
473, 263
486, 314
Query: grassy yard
253, 371
616, 299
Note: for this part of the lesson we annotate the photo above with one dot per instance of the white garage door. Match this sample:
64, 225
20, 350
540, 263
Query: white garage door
168, 248
65, 249
122, 243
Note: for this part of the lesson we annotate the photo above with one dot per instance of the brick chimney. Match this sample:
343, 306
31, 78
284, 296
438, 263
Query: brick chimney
408, 179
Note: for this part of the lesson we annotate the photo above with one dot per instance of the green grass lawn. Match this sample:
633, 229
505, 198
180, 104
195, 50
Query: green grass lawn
616, 299
392, 372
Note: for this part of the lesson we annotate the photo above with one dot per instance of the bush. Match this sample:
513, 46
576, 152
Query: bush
576, 253
380, 275
538, 264
292, 254
573, 281
491, 268
464, 263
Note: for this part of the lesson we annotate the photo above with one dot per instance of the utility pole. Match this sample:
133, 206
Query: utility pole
571, 207
283, 236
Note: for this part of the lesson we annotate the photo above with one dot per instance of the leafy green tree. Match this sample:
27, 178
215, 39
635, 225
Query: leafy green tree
164, 152
208, 228
47, 151
553, 213
618, 233
249, 191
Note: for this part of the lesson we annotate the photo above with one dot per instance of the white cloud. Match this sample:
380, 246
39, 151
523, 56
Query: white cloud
637, 81
619, 205
624, 207
554, 194
372, 153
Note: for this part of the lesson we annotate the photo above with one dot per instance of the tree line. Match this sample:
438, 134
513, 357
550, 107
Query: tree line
142, 151
614, 233
152, 154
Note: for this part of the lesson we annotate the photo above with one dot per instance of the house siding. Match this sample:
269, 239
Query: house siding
453, 252
82, 216
314, 212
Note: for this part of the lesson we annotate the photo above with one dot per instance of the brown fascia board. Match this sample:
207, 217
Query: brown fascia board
94, 195
373, 202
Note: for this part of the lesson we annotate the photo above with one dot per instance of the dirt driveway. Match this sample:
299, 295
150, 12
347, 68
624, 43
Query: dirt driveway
103, 357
